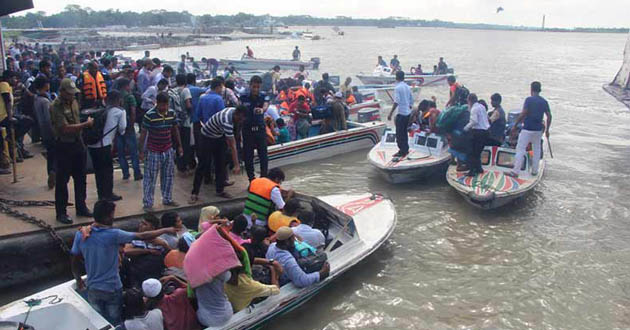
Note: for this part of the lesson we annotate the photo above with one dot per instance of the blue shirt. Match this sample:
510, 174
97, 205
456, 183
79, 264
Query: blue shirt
143, 80
536, 107
195, 92
292, 271
403, 97
209, 104
100, 252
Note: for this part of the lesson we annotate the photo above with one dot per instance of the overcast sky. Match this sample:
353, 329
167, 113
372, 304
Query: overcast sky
560, 13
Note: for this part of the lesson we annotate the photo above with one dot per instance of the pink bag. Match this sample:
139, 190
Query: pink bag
209, 256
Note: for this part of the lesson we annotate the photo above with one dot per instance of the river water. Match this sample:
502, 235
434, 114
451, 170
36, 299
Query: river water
559, 258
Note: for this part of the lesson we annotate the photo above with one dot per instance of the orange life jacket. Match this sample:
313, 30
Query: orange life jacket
351, 100
94, 89
259, 198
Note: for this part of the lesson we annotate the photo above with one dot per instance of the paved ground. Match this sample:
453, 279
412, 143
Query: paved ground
32, 185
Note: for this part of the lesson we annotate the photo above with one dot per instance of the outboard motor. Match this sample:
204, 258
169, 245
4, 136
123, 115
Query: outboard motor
316, 61
10, 325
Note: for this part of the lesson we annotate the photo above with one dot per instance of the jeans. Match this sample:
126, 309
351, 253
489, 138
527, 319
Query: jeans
479, 137
129, 142
402, 137
258, 141
71, 162
524, 139
108, 304
103, 171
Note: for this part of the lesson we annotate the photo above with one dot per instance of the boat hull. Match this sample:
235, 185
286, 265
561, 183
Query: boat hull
267, 64
494, 189
325, 146
416, 80
413, 174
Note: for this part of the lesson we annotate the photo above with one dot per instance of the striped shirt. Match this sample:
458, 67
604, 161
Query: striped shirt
219, 124
159, 128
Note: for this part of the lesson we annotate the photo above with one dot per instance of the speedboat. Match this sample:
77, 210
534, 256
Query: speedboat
428, 154
494, 188
357, 225
385, 76
248, 63
371, 109
320, 146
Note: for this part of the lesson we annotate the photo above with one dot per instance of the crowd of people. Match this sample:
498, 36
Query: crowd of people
166, 276
147, 112
474, 125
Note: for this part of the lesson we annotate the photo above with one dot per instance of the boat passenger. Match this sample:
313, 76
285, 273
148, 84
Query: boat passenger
275, 77
496, 132
301, 72
214, 308
265, 196
478, 126
283, 131
306, 232
428, 114
324, 87
381, 61
357, 95
172, 219
242, 289
442, 66
458, 94
285, 217
170, 295
297, 54
534, 109
418, 70
350, 100
337, 119
250, 52
394, 63
345, 87
300, 111
101, 257
137, 317
282, 251
435, 70
174, 259
209, 216
403, 101
239, 226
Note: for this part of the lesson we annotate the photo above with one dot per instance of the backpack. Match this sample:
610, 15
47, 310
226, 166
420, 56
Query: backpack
461, 95
175, 103
94, 134
446, 120
267, 82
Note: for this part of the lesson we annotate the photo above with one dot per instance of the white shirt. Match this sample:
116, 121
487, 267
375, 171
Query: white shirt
152, 320
115, 117
272, 112
403, 97
313, 237
148, 98
478, 118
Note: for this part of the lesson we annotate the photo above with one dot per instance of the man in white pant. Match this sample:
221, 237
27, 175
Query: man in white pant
532, 118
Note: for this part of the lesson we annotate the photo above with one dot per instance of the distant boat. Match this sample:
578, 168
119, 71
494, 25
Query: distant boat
247, 63
620, 86
386, 25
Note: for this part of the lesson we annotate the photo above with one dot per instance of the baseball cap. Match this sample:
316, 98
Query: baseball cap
69, 86
339, 95
284, 233
151, 288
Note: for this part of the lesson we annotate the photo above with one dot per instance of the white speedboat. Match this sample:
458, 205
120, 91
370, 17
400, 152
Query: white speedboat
494, 188
428, 154
247, 63
385, 76
359, 223
320, 146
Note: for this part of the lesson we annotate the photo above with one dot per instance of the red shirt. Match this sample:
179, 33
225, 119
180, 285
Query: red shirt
177, 311
298, 107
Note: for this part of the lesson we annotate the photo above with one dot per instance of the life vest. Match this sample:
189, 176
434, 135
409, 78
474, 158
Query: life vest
351, 100
94, 89
259, 198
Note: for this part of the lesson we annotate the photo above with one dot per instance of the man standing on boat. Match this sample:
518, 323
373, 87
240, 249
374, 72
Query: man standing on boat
254, 134
250, 52
297, 54
532, 118
402, 101
478, 125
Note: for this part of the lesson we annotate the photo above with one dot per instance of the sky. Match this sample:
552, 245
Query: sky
559, 13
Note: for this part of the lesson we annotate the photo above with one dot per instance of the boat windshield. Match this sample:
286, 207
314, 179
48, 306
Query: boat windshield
506, 159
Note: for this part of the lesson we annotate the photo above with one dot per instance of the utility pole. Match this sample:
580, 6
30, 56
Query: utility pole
543, 23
